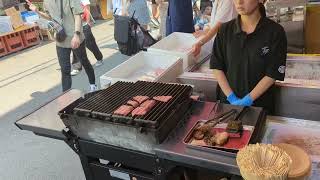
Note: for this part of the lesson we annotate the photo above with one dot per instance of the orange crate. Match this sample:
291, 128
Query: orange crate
30, 36
13, 42
3, 48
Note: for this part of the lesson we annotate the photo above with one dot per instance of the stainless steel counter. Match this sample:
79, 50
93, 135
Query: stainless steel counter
302, 133
45, 120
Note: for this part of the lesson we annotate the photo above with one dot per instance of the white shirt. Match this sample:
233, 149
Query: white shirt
117, 5
85, 2
222, 11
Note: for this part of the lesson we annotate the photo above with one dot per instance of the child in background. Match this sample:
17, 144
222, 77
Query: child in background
202, 19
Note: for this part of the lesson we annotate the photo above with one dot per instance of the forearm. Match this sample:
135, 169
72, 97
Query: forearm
223, 82
78, 22
264, 84
43, 15
124, 7
211, 33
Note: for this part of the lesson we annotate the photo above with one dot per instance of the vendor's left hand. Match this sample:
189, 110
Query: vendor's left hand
246, 101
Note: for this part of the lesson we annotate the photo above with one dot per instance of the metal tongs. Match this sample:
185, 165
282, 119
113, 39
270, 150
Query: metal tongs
216, 120
235, 126
204, 128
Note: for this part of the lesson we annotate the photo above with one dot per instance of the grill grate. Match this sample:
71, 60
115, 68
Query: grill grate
104, 103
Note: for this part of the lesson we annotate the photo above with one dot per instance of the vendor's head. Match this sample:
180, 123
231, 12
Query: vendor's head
248, 7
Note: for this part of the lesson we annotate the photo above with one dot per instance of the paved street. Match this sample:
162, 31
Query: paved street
27, 80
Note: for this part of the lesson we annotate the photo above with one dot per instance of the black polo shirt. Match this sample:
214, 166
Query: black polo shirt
247, 58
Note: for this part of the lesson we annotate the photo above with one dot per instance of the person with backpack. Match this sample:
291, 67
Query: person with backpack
91, 43
138, 9
66, 17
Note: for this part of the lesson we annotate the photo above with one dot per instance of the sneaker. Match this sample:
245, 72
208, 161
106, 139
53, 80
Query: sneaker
93, 88
98, 63
75, 72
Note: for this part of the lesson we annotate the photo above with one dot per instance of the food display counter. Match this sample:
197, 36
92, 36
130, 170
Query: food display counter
105, 161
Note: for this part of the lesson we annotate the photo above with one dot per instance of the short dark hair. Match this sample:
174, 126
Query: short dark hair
262, 10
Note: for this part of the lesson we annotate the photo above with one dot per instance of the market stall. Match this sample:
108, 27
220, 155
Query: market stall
146, 122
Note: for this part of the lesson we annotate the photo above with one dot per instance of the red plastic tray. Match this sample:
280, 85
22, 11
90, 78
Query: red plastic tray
234, 143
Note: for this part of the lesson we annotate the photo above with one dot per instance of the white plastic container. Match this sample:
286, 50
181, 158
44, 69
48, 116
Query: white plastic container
180, 44
5, 24
147, 66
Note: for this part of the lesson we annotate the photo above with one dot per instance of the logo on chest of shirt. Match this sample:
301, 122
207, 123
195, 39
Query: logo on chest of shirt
282, 69
265, 50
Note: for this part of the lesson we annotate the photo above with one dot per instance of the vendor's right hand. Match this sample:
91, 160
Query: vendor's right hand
32, 7
196, 49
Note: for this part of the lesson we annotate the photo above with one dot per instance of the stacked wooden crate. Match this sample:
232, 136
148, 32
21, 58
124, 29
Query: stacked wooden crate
20, 39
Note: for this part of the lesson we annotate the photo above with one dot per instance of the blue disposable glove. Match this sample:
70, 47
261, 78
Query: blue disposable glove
232, 98
246, 101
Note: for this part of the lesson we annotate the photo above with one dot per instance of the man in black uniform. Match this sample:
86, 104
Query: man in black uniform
249, 55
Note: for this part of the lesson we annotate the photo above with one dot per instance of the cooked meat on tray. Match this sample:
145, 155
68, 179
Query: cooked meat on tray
234, 126
148, 104
198, 135
140, 99
139, 111
162, 98
210, 140
133, 103
123, 110
221, 138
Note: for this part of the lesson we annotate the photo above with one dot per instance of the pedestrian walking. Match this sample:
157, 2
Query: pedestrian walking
180, 17
163, 10
139, 10
66, 17
91, 43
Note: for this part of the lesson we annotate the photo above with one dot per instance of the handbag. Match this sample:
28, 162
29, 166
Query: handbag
60, 33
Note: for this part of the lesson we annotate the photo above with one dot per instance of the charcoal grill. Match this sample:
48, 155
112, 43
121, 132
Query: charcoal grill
92, 117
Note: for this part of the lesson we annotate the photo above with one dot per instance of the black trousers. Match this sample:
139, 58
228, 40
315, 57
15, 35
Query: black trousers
91, 44
64, 61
